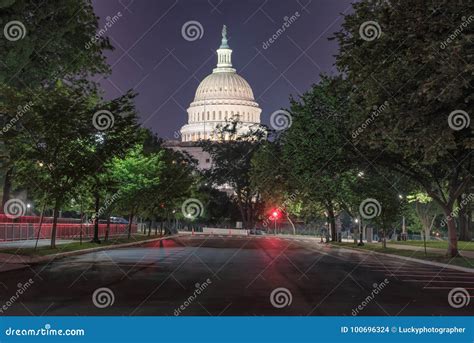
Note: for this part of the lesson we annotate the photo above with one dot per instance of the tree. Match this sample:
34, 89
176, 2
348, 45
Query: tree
425, 82
315, 149
426, 210
177, 180
269, 176
47, 43
232, 167
113, 140
54, 44
137, 174
57, 147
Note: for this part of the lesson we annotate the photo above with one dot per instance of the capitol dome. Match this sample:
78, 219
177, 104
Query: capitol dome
222, 97
224, 86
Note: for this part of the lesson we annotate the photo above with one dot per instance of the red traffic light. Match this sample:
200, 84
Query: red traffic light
275, 214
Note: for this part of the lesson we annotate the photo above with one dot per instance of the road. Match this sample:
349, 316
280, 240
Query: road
234, 276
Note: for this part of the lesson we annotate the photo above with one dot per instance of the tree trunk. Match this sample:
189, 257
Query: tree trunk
40, 224
7, 184
130, 220
332, 223
96, 218
291, 222
464, 222
57, 206
161, 228
452, 238
107, 229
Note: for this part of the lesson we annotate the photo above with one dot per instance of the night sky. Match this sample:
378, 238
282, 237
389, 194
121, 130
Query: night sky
152, 57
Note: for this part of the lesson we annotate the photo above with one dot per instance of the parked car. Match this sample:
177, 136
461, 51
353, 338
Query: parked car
118, 220
257, 232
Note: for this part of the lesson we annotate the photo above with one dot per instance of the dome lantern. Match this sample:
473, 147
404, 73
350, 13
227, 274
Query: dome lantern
224, 55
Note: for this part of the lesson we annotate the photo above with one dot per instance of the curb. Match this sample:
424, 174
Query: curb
48, 258
411, 259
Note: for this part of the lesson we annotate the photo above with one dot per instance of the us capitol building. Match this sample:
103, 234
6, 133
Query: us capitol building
222, 97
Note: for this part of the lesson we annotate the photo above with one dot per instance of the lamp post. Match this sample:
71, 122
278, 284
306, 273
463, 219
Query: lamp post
274, 216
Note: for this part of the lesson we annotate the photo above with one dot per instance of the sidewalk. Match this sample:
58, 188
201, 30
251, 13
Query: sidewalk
30, 243
13, 261
465, 253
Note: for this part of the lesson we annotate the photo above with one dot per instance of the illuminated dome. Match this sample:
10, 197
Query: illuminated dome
220, 98
227, 85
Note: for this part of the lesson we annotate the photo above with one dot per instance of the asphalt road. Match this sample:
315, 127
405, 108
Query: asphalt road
204, 275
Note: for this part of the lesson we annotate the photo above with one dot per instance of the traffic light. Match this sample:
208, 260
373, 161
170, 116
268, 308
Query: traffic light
275, 214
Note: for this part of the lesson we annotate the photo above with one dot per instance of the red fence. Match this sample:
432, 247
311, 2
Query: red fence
18, 231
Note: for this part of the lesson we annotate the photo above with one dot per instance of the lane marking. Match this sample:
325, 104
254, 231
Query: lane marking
447, 281
435, 287
434, 276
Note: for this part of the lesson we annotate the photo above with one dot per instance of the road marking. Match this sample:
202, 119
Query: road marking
400, 270
439, 281
435, 287
432, 276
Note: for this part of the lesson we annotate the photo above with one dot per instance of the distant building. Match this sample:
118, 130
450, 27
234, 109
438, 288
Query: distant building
222, 97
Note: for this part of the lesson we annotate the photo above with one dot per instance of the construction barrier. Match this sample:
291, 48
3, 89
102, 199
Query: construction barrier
21, 231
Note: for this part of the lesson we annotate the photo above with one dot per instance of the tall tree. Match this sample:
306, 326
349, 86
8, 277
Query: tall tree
232, 167
44, 42
424, 133
57, 146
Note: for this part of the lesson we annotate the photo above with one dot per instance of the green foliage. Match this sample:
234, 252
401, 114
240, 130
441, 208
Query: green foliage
54, 45
232, 164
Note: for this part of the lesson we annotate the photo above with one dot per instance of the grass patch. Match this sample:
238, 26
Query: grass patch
74, 246
457, 261
466, 246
